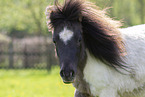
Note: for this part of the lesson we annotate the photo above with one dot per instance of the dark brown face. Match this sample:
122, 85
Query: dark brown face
69, 44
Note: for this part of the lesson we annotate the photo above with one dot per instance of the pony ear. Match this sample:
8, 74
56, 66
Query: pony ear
49, 9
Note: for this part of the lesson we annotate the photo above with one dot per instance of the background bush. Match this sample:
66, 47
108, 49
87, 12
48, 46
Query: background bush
27, 17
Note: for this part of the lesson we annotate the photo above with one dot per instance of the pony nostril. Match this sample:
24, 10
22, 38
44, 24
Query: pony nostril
72, 74
62, 73
69, 74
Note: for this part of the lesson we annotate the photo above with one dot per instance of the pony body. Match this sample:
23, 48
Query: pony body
97, 57
106, 82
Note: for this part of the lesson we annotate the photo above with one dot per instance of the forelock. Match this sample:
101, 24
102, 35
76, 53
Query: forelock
69, 11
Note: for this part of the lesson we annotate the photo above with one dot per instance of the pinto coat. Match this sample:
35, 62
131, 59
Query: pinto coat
107, 82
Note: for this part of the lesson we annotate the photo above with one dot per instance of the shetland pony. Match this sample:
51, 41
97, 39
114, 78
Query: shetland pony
97, 57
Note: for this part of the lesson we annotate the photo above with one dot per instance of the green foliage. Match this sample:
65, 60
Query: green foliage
24, 17
131, 12
32, 83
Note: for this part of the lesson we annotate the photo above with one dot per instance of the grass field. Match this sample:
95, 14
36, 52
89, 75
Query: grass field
33, 83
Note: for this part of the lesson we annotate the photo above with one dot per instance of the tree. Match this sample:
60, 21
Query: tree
23, 17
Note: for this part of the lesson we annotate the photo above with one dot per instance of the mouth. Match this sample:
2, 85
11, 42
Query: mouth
68, 82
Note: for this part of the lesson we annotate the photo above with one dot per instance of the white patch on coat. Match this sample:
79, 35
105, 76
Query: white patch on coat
104, 81
66, 35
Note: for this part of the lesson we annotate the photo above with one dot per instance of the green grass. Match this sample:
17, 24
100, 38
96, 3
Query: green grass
32, 83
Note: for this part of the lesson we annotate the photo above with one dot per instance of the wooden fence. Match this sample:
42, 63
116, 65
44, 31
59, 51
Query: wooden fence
34, 52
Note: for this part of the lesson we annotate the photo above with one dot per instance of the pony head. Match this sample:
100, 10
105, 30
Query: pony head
79, 26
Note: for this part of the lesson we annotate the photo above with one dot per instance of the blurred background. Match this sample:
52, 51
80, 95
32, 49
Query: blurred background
28, 66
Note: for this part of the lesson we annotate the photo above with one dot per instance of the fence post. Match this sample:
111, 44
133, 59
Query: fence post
25, 61
48, 57
11, 55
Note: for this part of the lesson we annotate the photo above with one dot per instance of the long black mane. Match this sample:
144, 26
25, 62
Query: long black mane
100, 33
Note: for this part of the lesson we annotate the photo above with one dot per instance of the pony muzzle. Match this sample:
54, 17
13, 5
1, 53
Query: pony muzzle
67, 76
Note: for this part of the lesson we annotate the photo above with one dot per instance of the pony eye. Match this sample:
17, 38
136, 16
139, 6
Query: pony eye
80, 39
54, 40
